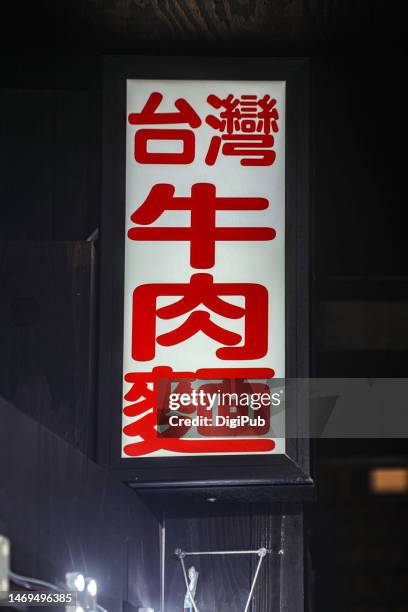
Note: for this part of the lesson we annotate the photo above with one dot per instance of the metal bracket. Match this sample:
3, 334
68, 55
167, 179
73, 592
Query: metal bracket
261, 552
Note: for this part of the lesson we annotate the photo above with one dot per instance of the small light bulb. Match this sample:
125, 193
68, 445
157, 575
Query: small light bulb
79, 584
79, 609
92, 588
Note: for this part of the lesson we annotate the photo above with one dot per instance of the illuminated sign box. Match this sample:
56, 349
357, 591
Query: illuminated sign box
204, 269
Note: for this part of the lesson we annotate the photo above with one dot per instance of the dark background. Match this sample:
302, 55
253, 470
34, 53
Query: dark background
51, 126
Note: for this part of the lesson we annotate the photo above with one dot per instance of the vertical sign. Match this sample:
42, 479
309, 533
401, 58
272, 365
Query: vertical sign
204, 256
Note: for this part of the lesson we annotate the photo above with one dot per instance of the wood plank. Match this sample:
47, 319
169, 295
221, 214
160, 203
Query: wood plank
28, 154
51, 162
77, 164
46, 326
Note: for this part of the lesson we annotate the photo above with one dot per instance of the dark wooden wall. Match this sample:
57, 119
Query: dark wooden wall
360, 313
47, 331
360, 264
51, 128
64, 513
225, 581
50, 159
361, 550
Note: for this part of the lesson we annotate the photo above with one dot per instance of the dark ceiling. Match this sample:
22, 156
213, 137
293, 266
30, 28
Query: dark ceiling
59, 44
239, 27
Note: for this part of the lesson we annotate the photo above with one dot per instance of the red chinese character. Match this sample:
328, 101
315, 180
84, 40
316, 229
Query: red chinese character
146, 395
201, 290
246, 124
144, 398
185, 114
202, 233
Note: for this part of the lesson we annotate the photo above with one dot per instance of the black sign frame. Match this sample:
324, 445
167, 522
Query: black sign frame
237, 472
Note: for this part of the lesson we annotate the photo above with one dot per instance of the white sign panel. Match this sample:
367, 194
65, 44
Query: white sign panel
204, 259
